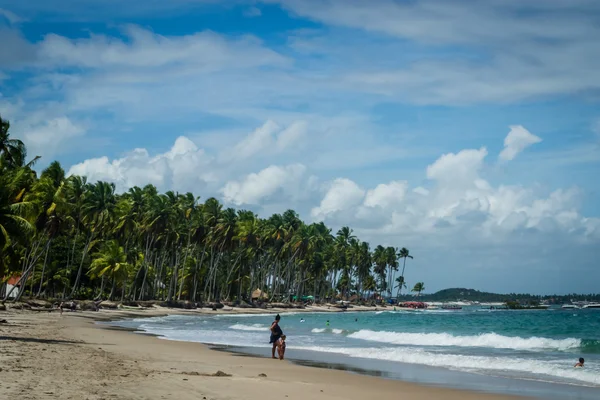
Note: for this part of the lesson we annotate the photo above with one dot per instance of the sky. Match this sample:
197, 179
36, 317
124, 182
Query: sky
467, 132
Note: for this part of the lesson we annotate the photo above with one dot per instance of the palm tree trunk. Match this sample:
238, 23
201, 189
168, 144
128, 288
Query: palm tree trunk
44, 269
198, 266
83, 255
403, 267
112, 290
101, 288
33, 258
70, 257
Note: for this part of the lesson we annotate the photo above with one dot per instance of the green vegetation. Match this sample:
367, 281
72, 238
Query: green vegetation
419, 287
70, 238
458, 294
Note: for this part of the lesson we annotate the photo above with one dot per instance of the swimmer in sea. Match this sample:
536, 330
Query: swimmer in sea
580, 363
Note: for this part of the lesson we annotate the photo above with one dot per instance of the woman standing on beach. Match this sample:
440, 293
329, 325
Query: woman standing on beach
276, 333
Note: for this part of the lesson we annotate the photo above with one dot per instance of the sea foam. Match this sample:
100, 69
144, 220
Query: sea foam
525, 368
255, 327
490, 340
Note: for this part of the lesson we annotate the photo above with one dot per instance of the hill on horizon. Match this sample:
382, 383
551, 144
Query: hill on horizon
465, 294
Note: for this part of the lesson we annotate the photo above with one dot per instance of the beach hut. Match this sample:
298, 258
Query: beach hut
12, 282
259, 294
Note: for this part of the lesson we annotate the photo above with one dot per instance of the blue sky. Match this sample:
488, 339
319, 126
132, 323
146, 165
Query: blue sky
467, 132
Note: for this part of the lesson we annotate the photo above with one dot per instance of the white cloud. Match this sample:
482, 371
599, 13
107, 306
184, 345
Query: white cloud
205, 51
517, 140
459, 168
252, 12
10, 16
268, 138
256, 187
341, 195
184, 167
504, 54
386, 195
48, 136
460, 200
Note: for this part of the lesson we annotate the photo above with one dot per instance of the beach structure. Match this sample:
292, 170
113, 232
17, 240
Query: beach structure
11, 287
259, 294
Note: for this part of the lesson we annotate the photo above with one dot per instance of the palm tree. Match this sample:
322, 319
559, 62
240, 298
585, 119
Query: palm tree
419, 287
9, 148
403, 253
169, 246
98, 210
13, 210
380, 259
111, 262
399, 285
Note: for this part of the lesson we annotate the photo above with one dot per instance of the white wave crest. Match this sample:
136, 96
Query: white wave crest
255, 327
520, 368
321, 330
490, 340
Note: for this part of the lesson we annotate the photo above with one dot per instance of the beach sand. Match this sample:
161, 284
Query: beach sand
48, 356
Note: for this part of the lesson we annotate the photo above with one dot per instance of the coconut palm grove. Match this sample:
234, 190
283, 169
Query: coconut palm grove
66, 238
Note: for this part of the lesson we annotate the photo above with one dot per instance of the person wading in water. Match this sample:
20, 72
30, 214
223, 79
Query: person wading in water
276, 333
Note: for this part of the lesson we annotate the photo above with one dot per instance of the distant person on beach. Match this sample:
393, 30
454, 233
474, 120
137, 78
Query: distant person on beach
580, 363
301, 319
281, 347
327, 323
276, 334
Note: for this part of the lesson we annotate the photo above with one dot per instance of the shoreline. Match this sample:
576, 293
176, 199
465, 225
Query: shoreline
47, 355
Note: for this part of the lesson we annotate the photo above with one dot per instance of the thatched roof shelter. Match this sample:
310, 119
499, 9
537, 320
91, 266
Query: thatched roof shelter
259, 294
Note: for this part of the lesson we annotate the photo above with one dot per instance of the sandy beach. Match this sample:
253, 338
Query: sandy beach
48, 356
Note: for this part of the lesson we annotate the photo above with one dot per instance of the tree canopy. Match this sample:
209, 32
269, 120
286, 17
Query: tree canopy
66, 237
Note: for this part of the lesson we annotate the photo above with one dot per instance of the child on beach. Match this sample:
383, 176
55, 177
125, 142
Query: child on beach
580, 363
281, 347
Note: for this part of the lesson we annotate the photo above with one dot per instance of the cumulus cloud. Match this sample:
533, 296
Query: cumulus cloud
459, 200
457, 168
517, 140
386, 195
342, 194
256, 187
185, 167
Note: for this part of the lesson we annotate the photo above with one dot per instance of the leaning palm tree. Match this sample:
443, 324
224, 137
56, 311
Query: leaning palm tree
419, 287
403, 253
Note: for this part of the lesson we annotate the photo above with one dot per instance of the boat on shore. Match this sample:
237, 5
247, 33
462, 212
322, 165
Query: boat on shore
570, 307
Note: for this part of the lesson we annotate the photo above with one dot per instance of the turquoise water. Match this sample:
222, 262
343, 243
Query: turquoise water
538, 345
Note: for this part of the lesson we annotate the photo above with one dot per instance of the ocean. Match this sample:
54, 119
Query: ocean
529, 352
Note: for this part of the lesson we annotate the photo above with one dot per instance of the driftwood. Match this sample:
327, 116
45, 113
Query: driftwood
187, 305
110, 305
39, 303
39, 309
